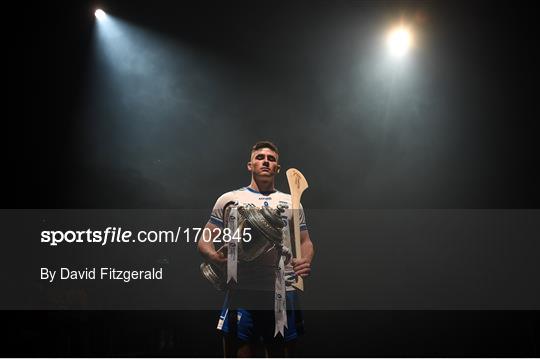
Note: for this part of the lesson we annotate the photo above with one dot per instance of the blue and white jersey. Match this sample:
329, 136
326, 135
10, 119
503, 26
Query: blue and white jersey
259, 274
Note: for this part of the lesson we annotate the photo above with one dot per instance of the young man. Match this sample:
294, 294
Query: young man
256, 279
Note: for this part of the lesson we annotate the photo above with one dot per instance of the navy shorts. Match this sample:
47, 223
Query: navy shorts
255, 324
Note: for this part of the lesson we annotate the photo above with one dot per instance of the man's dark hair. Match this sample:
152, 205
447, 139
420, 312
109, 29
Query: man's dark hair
264, 144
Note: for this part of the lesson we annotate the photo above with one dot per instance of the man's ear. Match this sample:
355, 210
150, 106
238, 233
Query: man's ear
249, 167
278, 168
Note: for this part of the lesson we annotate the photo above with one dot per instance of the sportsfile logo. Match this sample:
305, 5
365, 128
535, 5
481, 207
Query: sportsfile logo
118, 235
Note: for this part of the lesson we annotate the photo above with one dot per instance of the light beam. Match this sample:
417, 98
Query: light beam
100, 14
399, 41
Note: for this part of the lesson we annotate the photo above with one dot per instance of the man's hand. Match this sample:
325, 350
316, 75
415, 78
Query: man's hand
218, 258
302, 266
206, 247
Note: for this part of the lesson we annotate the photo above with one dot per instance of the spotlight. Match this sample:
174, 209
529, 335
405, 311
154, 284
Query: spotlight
100, 14
399, 41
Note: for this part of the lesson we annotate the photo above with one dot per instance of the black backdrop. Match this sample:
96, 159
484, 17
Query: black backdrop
493, 68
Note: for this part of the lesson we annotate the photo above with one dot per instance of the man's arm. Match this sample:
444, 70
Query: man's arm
206, 248
302, 266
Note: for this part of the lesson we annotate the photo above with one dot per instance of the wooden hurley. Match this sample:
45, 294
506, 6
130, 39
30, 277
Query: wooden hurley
297, 185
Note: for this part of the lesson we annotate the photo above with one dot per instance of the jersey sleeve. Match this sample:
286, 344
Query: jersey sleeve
303, 225
216, 216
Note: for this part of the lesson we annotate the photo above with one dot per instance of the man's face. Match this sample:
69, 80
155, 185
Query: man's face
264, 163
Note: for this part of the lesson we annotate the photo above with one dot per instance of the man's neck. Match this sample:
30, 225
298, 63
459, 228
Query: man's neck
262, 186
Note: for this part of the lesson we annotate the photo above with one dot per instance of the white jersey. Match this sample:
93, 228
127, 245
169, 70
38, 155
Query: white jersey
259, 274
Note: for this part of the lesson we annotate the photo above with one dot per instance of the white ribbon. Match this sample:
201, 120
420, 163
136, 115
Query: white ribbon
280, 301
232, 250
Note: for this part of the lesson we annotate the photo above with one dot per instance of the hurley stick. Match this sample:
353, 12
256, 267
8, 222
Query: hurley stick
297, 185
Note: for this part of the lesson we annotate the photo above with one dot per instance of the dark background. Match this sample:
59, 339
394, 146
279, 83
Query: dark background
283, 71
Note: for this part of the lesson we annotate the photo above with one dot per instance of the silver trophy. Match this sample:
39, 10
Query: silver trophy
266, 228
